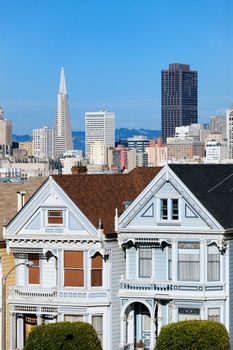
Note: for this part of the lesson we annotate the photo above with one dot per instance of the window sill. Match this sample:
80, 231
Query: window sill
169, 223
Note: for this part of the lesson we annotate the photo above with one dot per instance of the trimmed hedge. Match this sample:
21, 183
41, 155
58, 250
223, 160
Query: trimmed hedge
63, 336
193, 335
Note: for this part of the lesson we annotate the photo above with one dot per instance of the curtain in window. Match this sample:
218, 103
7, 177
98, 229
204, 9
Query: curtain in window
73, 268
145, 262
213, 263
188, 314
34, 270
189, 264
97, 323
169, 262
214, 314
73, 318
96, 270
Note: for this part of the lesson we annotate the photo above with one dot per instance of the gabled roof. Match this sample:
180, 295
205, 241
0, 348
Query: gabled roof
97, 196
9, 201
212, 184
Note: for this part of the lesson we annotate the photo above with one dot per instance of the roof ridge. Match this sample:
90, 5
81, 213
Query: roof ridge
218, 184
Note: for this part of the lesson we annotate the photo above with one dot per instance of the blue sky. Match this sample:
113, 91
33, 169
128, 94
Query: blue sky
113, 52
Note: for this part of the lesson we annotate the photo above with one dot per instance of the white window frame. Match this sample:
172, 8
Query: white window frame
55, 209
169, 209
152, 261
189, 261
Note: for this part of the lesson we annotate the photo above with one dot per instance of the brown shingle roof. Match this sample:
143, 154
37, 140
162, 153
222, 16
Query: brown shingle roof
97, 196
8, 198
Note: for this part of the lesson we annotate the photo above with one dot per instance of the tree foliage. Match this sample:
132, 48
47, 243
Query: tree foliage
193, 335
63, 336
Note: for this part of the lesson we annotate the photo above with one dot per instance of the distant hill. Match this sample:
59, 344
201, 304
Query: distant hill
121, 134
79, 136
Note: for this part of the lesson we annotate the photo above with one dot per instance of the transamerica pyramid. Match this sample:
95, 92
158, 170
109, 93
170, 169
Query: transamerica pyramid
63, 137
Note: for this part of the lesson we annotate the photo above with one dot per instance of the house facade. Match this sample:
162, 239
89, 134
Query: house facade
67, 231
177, 239
12, 197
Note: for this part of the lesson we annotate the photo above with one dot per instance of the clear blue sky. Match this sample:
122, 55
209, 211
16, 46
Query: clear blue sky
113, 52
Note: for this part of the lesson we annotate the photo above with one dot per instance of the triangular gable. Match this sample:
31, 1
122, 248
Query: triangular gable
31, 218
144, 213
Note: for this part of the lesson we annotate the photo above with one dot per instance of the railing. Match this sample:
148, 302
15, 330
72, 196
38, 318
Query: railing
69, 295
168, 287
28, 293
145, 286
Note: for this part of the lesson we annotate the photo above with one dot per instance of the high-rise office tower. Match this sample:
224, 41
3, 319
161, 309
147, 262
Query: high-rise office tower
179, 98
99, 126
63, 136
43, 143
5, 134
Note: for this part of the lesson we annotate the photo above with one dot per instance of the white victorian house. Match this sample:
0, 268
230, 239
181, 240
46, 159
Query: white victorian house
177, 236
67, 230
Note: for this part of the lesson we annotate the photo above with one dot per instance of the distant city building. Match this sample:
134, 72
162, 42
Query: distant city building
28, 147
157, 153
43, 143
63, 136
218, 125
138, 142
179, 98
136, 159
117, 157
216, 151
229, 131
98, 153
99, 126
184, 149
71, 159
5, 134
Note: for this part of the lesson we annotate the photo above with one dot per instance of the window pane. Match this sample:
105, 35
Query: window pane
97, 261
55, 216
73, 318
74, 278
97, 323
145, 262
188, 314
189, 261
213, 263
175, 212
34, 270
169, 262
164, 212
73, 259
96, 277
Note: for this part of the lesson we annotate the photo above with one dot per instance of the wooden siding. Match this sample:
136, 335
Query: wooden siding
8, 262
231, 291
118, 268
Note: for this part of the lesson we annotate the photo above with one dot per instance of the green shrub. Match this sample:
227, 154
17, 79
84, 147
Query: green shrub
193, 335
63, 336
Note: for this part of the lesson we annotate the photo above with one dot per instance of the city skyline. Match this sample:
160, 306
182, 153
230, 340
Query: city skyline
113, 54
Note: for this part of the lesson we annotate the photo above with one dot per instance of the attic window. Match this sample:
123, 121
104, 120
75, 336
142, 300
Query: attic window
55, 217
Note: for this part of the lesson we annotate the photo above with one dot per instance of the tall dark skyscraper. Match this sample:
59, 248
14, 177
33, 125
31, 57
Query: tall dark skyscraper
179, 98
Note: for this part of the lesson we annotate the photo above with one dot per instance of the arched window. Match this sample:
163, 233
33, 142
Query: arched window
96, 270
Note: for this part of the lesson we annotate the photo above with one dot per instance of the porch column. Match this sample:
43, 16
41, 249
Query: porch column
39, 320
123, 332
20, 331
12, 331
152, 333
159, 318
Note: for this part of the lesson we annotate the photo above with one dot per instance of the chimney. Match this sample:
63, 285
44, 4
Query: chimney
21, 199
